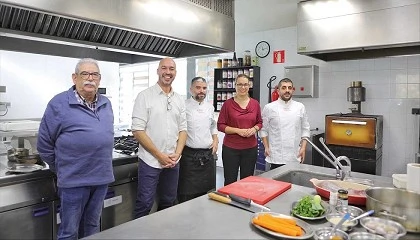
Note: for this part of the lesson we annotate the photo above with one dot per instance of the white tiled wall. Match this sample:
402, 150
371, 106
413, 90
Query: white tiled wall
392, 90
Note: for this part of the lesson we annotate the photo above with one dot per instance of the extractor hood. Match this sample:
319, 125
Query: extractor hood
357, 29
125, 31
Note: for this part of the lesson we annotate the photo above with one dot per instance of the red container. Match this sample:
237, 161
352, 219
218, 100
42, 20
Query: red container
357, 192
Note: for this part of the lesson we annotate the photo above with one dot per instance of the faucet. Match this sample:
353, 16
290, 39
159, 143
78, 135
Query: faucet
338, 166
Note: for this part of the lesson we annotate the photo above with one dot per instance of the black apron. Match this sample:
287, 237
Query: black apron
196, 171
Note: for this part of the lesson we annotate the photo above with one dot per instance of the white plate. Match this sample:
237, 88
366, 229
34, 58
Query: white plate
309, 232
24, 168
323, 203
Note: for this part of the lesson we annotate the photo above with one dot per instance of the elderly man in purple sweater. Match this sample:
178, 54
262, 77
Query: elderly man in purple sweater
76, 138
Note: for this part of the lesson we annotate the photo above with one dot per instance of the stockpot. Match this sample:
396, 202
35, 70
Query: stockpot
396, 204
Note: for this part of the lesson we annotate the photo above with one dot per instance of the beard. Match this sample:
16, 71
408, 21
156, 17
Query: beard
285, 97
200, 97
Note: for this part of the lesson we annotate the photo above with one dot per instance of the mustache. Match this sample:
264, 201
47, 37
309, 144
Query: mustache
89, 83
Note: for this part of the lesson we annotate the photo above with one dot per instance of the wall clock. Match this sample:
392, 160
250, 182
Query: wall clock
262, 49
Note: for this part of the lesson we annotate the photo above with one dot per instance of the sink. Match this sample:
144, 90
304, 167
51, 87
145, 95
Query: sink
302, 178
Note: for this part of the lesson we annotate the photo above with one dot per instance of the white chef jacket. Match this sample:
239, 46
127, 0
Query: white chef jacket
284, 124
151, 114
200, 124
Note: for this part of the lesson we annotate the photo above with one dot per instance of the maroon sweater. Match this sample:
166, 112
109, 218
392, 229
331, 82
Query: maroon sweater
233, 115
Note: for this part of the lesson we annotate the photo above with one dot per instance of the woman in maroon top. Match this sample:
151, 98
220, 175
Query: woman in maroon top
240, 119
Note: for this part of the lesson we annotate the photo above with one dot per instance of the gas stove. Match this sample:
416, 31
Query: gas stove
126, 145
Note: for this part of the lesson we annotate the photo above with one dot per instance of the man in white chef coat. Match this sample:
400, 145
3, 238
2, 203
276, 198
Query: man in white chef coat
285, 123
197, 165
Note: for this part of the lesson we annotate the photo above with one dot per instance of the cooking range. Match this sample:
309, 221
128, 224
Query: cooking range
126, 144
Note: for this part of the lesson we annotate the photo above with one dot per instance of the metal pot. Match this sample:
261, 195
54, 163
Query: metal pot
14, 153
30, 159
396, 204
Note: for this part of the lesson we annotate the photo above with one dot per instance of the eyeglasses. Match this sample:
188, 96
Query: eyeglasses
168, 105
95, 75
245, 85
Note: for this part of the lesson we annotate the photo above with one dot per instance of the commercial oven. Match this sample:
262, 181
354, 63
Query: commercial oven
26, 209
357, 136
120, 200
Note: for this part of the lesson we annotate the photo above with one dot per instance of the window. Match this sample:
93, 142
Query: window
135, 78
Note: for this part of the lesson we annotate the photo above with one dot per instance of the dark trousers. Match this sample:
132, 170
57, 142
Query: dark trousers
196, 173
162, 182
274, 166
235, 159
80, 211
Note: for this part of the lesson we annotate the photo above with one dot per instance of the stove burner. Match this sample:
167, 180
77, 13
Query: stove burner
126, 144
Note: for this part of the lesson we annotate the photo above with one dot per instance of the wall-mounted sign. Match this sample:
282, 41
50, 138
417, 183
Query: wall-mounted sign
278, 56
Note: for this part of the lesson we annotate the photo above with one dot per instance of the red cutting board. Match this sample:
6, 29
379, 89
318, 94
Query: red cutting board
260, 190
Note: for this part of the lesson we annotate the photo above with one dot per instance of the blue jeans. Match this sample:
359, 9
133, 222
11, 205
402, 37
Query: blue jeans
151, 180
80, 211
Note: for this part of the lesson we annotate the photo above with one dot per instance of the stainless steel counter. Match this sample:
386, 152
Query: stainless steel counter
202, 218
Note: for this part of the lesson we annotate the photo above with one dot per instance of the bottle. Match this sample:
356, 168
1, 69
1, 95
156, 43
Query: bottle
234, 60
343, 196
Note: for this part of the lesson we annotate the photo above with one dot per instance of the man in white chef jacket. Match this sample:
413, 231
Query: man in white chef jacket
197, 165
285, 123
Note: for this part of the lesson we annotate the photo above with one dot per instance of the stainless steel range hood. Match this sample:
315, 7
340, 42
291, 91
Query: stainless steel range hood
357, 29
126, 31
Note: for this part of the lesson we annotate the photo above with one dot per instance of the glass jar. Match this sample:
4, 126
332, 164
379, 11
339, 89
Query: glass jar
247, 58
343, 196
219, 63
225, 63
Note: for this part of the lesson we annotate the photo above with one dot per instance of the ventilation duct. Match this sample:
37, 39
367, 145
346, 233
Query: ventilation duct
126, 31
357, 29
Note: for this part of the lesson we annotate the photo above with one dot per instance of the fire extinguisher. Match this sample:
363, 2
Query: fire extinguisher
274, 95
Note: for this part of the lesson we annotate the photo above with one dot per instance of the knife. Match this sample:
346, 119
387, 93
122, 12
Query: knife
225, 199
248, 202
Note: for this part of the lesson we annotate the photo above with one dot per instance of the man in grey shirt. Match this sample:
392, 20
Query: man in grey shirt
159, 125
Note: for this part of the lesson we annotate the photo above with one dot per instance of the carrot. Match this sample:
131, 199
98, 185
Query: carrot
280, 219
281, 224
273, 226
286, 222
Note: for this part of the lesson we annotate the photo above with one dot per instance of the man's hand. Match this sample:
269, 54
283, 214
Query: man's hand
267, 151
167, 161
214, 146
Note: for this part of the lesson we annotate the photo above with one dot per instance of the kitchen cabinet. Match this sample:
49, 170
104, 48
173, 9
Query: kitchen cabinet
224, 83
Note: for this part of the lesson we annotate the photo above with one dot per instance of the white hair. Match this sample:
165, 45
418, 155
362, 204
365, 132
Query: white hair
83, 61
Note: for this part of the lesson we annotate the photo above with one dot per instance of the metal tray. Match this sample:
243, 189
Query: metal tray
24, 168
309, 232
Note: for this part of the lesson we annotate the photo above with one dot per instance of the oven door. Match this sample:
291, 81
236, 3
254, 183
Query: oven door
351, 131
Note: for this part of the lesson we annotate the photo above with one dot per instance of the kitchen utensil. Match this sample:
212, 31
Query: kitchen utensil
225, 199
14, 153
30, 159
248, 202
309, 232
24, 168
354, 211
356, 191
325, 234
364, 214
340, 223
397, 204
384, 227
365, 236
347, 225
323, 203
258, 189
